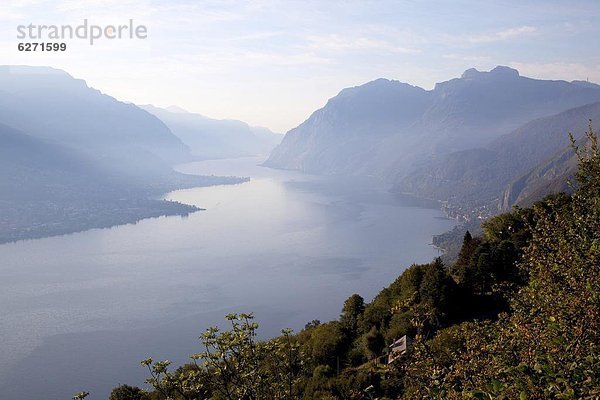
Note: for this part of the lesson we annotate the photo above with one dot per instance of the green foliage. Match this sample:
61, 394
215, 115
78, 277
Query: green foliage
354, 306
511, 226
400, 324
81, 395
435, 291
312, 324
373, 343
326, 343
233, 365
484, 264
548, 345
126, 392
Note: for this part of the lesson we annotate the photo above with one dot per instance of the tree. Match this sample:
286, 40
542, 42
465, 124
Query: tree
460, 267
233, 365
81, 395
354, 306
435, 291
312, 324
373, 343
326, 343
126, 392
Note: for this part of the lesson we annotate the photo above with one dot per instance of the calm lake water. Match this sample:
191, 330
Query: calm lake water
78, 312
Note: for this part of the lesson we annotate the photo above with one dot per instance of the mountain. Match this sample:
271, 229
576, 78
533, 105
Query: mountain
552, 176
124, 142
47, 189
73, 159
49, 103
556, 174
476, 178
390, 128
343, 136
213, 138
31, 168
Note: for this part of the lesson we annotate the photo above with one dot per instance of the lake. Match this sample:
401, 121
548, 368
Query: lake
80, 311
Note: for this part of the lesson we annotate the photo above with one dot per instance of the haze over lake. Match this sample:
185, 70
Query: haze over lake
80, 311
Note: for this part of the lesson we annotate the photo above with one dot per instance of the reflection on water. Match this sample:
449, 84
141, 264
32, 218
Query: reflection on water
79, 311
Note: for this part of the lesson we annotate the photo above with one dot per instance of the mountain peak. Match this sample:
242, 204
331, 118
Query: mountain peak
177, 109
24, 77
470, 73
500, 70
32, 70
505, 71
377, 87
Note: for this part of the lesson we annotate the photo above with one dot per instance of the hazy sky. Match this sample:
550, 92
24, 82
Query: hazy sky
272, 63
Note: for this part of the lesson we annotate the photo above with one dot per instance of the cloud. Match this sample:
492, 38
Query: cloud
559, 70
69, 6
475, 59
256, 36
260, 58
232, 58
502, 35
334, 42
229, 61
16, 10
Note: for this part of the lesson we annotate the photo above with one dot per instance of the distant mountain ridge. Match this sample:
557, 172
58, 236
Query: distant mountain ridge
72, 158
50, 103
387, 127
213, 138
451, 143
337, 138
